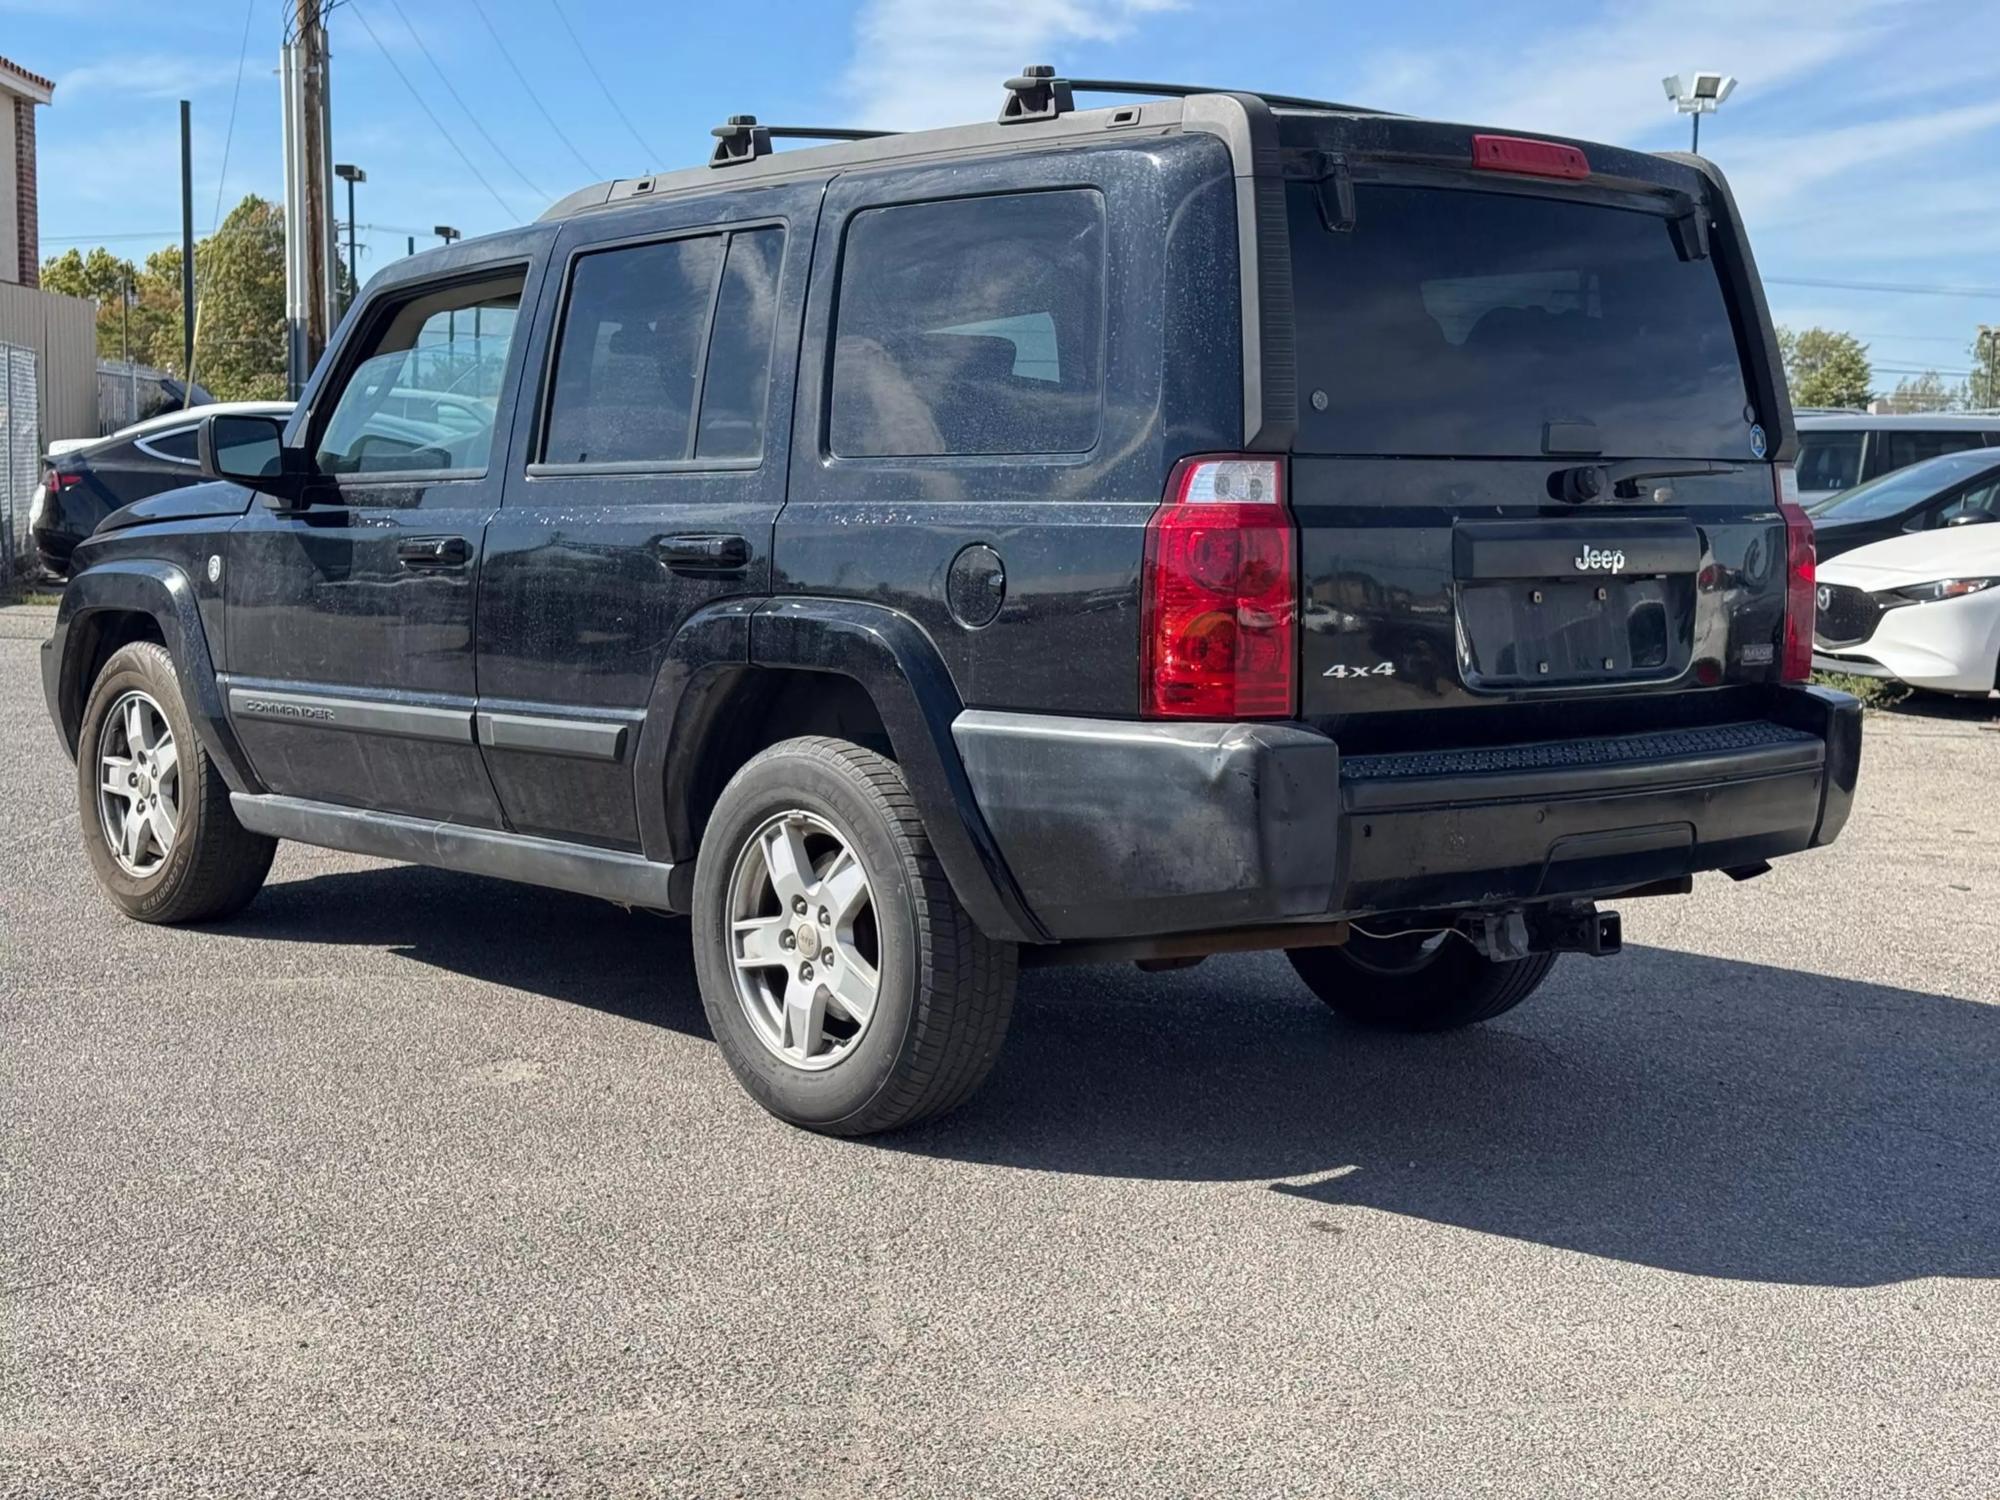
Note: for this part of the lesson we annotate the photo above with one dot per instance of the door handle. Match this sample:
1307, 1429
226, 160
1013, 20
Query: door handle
691, 553
431, 553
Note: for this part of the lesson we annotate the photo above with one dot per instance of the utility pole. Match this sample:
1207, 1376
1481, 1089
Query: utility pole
187, 250
309, 239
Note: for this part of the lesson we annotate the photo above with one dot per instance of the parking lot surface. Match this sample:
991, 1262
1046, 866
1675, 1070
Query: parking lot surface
408, 1183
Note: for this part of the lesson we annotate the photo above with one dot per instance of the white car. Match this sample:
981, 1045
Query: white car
1923, 609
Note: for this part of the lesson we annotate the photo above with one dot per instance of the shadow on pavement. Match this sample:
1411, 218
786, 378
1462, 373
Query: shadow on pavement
632, 964
1693, 1114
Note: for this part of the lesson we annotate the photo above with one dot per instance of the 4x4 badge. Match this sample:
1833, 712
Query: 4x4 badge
1590, 560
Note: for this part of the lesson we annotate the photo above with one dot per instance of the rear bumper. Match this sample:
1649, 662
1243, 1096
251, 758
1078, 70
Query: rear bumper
1120, 830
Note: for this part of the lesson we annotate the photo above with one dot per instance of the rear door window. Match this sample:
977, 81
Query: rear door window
974, 326
1830, 460
1901, 449
1458, 323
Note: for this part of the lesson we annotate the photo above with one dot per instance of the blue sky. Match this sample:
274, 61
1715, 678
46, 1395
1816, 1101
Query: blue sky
1861, 140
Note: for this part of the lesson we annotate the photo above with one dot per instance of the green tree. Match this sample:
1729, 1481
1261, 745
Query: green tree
239, 274
1926, 392
240, 299
1825, 368
1983, 389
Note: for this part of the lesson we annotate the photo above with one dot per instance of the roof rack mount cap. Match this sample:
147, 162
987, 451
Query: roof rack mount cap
1036, 95
739, 138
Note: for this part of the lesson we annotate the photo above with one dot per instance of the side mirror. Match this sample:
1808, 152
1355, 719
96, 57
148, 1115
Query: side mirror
1972, 518
250, 449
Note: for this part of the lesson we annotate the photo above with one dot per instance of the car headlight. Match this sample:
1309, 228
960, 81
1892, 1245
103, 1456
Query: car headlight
36, 505
1945, 588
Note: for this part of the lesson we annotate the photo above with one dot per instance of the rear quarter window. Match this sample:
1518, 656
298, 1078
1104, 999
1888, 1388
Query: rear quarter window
970, 326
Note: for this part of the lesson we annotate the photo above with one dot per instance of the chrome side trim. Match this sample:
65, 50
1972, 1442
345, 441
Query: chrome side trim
630, 879
362, 715
583, 739
145, 446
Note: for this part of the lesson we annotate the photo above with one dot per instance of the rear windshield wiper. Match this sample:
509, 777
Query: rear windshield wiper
1590, 481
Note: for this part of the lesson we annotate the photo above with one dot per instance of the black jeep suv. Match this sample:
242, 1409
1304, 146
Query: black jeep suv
1210, 523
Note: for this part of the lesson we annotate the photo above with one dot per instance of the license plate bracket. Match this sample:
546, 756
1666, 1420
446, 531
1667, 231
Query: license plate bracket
1526, 633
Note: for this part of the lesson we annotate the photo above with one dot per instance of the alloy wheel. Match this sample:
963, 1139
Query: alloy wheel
138, 784
805, 947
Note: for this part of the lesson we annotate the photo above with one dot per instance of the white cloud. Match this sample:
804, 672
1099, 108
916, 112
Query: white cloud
921, 62
1598, 77
152, 75
1771, 173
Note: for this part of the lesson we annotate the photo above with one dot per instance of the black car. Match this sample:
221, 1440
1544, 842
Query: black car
83, 485
1211, 523
1957, 489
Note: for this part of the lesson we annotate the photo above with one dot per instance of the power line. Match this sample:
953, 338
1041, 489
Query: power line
397, 6
229, 135
1886, 286
652, 157
478, 176
529, 89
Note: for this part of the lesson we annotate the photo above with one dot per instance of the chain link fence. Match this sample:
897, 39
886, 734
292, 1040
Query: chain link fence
20, 457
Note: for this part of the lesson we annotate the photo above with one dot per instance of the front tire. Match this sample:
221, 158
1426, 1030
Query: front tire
158, 829
1417, 982
847, 987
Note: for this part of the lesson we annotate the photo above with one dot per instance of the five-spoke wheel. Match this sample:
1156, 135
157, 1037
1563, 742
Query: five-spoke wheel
845, 984
157, 823
806, 946
139, 785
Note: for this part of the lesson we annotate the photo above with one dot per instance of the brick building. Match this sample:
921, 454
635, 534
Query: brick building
48, 344
21, 94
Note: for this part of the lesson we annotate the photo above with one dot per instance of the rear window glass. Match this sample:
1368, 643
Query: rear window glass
971, 326
1451, 322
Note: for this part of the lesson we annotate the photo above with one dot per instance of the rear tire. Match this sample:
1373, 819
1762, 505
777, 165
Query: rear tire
1422, 982
158, 829
847, 987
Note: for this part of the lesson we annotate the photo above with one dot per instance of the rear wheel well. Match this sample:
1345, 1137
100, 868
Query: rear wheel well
759, 708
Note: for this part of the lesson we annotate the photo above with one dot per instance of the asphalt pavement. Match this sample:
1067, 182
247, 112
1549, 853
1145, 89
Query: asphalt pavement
414, 1184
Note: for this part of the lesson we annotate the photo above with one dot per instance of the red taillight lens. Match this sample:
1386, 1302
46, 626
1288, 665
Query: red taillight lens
1801, 580
58, 480
1219, 595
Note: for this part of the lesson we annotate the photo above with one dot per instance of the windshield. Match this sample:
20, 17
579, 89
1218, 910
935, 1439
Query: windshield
1458, 323
1892, 494
1830, 460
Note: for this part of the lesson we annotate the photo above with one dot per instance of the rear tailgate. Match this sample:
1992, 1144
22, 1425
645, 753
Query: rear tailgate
1533, 468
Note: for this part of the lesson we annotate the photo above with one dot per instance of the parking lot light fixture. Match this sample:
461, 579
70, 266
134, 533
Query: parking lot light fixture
446, 233
1698, 94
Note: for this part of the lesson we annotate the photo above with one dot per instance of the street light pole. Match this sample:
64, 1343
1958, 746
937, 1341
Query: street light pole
350, 174
1698, 94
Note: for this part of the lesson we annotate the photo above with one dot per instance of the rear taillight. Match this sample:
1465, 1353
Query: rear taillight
1219, 595
1801, 582
58, 481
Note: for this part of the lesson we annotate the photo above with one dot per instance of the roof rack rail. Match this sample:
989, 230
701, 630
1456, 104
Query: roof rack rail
741, 138
1038, 94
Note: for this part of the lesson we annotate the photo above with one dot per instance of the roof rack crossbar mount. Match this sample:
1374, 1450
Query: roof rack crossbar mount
740, 138
1038, 94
